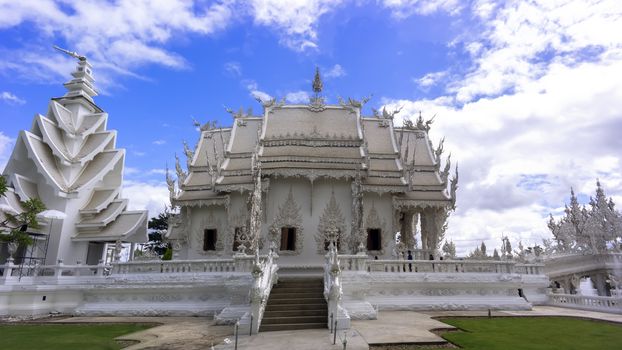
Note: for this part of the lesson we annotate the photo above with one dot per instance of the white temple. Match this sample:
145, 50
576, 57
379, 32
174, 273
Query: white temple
69, 160
352, 203
325, 172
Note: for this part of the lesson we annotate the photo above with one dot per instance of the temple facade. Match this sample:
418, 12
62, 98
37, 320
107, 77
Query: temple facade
300, 175
68, 159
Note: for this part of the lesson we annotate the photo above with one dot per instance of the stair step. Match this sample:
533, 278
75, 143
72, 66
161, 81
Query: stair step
291, 327
281, 296
297, 301
299, 286
294, 307
293, 319
289, 289
319, 312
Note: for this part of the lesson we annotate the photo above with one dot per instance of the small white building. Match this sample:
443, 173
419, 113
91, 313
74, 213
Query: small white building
69, 160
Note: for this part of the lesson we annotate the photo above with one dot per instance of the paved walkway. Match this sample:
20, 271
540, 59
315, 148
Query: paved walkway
397, 327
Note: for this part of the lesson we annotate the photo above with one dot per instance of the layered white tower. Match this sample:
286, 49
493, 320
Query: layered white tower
69, 160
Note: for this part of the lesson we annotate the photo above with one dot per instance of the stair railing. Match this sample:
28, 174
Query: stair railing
338, 317
264, 277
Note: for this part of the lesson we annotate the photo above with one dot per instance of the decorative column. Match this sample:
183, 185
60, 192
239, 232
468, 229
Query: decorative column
357, 235
600, 283
409, 221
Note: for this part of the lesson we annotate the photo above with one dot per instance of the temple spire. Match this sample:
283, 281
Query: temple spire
316, 102
82, 83
317, 82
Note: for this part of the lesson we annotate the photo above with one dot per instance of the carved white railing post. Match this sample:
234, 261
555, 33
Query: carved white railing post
338, 318
100, 268
240, 262
58, 269
8, 270
264, 277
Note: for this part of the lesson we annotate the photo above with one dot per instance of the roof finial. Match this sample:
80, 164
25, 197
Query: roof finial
82, 83
317, 82
316, 102
71, 53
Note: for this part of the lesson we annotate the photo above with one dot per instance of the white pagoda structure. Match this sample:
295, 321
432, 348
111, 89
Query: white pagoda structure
69, 160
325, 173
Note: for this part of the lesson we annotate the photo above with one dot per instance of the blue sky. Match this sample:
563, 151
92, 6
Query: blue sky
525, 91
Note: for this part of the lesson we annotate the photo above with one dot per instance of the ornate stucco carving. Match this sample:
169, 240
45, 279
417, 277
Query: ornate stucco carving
331, 219
240, 220
311, 174
357, 234
288, 216
181, 174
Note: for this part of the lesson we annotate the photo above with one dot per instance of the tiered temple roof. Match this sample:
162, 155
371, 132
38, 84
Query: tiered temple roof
69, 156
316, 141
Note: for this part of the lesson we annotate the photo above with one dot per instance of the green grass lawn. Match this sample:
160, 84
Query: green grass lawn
533, 333
64, 336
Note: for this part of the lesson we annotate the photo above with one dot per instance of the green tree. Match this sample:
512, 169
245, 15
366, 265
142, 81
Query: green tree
158, 226
13, 227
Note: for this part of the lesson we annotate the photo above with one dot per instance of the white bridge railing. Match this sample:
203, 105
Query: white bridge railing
593, 303
363, 264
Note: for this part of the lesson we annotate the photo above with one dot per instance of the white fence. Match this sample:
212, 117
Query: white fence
364, 264
584, 302
11, 273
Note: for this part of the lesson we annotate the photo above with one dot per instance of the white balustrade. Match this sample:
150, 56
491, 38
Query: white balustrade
239, 263
595, 303
364, 264
12, 273
29, 274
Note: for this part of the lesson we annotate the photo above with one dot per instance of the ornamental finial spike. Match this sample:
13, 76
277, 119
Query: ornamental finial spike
317, 81
70, 53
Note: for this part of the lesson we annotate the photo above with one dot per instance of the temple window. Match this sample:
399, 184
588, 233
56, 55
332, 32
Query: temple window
288, 238
209, 239
236, 238
374, 239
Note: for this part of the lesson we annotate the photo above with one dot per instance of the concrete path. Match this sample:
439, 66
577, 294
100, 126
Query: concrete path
399, 327
311, 339
391, 327
174, 332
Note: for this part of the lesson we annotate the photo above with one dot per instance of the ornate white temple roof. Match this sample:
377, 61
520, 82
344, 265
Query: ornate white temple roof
314, 141
312, 146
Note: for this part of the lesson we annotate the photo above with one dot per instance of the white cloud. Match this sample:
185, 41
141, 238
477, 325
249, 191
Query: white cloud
335, 72
515, 40
297, 97
6, 146
157, 171
297, 20
254, 91
116, 36
152, 196
431, 79
159, 142
406, 8
11, 98
233, 68
524, 127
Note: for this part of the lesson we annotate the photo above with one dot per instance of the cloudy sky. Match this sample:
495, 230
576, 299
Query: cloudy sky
527, 93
